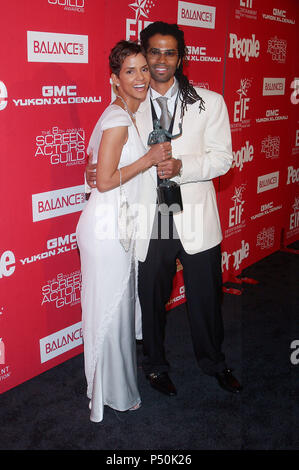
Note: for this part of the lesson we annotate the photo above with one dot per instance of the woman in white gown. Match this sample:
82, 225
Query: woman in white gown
108, 264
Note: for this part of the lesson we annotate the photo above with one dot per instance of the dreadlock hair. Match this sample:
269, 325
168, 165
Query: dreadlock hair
188, 94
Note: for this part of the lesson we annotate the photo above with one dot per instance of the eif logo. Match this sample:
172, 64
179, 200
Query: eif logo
294, 217
3, 96
241, 107
135, 26
2, 352
235, 213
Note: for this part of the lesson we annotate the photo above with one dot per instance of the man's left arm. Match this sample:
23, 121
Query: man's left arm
215, 158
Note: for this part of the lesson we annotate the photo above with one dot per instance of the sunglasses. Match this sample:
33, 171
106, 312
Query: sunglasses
157, 53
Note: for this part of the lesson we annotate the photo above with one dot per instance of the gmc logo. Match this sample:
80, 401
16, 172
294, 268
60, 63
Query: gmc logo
70, 90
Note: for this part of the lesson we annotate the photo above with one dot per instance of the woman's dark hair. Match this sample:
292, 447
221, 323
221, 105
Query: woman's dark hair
188, 94
120, 51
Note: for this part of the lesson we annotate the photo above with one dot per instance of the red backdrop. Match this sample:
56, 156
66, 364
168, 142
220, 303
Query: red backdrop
54, 84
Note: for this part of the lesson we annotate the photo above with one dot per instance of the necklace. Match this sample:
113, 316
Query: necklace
133, 115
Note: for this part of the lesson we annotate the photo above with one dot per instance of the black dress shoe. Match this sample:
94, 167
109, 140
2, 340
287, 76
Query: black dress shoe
162, 383
227, 381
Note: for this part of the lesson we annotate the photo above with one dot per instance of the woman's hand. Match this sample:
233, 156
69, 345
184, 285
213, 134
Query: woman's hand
90, 172
158, 153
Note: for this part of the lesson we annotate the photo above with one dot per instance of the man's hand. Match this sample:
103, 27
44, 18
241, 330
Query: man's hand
169, 168
90, 172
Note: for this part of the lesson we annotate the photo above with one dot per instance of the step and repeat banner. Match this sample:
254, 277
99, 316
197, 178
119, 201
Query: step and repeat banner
54, 84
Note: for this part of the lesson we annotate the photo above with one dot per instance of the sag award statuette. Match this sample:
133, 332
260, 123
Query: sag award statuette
169, 192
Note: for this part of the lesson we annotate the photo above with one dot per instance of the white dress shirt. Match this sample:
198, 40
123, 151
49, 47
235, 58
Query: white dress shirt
170, 99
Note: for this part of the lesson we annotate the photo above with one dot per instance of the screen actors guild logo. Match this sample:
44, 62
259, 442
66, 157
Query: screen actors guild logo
270, 146
60, 146
278, 49
62, 290
265, 238
71, 5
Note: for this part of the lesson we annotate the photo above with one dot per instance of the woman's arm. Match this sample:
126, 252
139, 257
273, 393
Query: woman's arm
112, 142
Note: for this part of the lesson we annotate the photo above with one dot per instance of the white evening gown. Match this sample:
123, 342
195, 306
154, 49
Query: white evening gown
109, 285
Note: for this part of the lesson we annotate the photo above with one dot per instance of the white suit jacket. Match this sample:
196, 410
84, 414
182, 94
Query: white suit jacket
206, 153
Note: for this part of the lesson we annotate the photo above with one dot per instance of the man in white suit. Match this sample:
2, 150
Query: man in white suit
201, 153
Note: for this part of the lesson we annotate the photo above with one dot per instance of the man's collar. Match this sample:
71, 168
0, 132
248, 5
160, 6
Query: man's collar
170, 92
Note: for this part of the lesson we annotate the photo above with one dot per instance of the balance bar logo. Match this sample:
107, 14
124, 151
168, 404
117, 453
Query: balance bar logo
60, 342
200, 16
273, 86
56, 203
57, 47
267, 182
